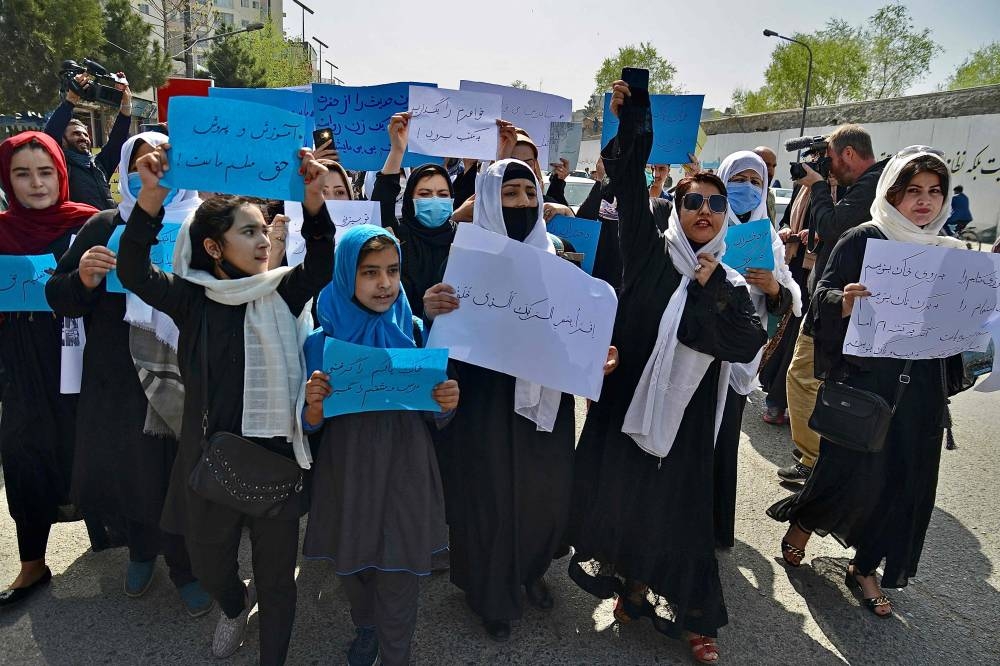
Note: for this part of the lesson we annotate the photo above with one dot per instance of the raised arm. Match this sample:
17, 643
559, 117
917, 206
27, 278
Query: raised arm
386, 189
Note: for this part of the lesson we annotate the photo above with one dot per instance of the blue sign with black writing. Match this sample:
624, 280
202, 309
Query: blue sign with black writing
748, 245
296, 101
22, 282
581, 233
675, 126
161, 255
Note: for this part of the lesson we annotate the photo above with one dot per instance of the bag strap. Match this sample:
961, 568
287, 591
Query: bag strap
904, 380
203, 343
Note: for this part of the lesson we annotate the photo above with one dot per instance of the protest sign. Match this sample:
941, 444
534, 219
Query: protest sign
583, 234
22, 282
454, 123
74, 340
345, 214
564, 142
992, 383
748, 245
296, 101
358, 117
370, 379
235, 147
526, 313
676, 119
926, 302
161, 254
531, 110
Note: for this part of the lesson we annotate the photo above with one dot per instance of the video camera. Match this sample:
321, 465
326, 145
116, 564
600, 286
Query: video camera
101, 87
814, 144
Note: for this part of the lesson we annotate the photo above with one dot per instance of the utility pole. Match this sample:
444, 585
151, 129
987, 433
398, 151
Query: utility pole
188, 42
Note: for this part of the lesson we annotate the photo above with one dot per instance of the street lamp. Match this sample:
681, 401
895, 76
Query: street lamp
304, 10
332, 67
189, 63
319, 60
805, 102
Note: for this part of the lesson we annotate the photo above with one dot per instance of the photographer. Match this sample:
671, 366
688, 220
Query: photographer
89, 176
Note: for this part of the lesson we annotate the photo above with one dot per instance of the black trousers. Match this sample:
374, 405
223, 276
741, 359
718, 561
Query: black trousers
32, 539
145, 542
275, 546
387, 601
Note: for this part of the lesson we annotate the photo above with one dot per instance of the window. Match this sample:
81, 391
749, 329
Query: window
224, 19
244, 23
244, 3
144, 8
224, 4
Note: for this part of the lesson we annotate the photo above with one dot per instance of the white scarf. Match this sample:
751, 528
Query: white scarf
744, 375
894, 224
274, 363
674, 370
532, 401
184, 203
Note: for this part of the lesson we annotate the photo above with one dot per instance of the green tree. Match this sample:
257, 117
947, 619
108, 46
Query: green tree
233, 65
286, 62
518, 83
898, 54
981, 68
643, 56
38, 35
145, 64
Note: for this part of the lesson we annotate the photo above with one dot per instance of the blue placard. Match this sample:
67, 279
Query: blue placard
749, 246
22, 282
161, 255
235, 147
296, 101
358, 117
370, 379
582, 233
675, 126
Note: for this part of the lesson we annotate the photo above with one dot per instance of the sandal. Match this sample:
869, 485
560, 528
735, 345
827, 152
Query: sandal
871, 603
791, 555
704, 650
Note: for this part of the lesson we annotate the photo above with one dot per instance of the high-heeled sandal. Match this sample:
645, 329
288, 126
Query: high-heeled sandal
787, 550
704, 649
626, 610
871, 603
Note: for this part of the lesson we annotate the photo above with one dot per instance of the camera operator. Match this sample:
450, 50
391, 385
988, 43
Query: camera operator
89, 176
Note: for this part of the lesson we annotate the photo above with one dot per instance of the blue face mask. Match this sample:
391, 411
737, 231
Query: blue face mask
433, 212
135, 184
743, 197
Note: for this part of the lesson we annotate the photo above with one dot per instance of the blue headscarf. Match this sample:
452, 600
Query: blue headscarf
342, 317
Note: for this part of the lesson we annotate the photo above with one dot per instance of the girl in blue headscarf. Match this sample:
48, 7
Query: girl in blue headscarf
377, 505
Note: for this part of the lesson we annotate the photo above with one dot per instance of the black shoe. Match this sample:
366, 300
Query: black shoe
797, 453
797, 473
498, 630
539, 595
12, 597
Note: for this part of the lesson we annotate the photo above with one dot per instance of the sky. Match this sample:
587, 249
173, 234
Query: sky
716, 45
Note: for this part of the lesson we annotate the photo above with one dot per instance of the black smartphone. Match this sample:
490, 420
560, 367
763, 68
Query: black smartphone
638, 84
322, 135
154, 127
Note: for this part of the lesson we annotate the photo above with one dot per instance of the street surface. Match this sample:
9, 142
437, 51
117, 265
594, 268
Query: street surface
947, 615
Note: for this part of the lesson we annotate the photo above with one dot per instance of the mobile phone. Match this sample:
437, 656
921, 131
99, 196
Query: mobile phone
154, 127
638, 84
322, 135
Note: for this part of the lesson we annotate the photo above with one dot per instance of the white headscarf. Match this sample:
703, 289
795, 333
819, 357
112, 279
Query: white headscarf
744, 375
185, 202
894, 224
674, 370
532, 401
274, 364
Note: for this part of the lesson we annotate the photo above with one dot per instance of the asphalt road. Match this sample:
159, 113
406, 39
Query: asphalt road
777, 616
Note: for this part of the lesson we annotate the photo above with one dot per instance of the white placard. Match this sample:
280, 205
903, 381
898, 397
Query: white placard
926, 302
564, 142
992, 383
74, 339
453, 123
526, 313
345, 214
530, 110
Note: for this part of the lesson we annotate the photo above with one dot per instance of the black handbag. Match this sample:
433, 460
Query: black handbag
854, 418
235, 472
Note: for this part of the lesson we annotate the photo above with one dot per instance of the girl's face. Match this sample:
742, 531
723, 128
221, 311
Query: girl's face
334, 187
143, 150
34, 179
432, 186
245, 244
922, 199
748, 176
376, 284
519, 193
702, 225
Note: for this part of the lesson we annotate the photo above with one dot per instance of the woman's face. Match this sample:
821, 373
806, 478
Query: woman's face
922, 199
376, 284
748, 176
524, 153
334, 187
702, 225
245, 244
141, 150
519, 193
432, 186
34, 179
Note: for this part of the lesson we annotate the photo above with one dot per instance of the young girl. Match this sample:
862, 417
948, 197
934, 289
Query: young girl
377, 508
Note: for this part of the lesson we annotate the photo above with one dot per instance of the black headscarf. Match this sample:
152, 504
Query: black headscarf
442, 235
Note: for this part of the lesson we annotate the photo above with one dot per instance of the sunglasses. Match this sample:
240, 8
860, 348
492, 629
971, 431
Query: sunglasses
716, 202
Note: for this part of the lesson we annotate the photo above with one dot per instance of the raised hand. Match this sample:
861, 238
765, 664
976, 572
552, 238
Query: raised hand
96, 263
440, 299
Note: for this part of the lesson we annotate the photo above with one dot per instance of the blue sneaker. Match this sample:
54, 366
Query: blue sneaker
364, 648
139, 577
195, 599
